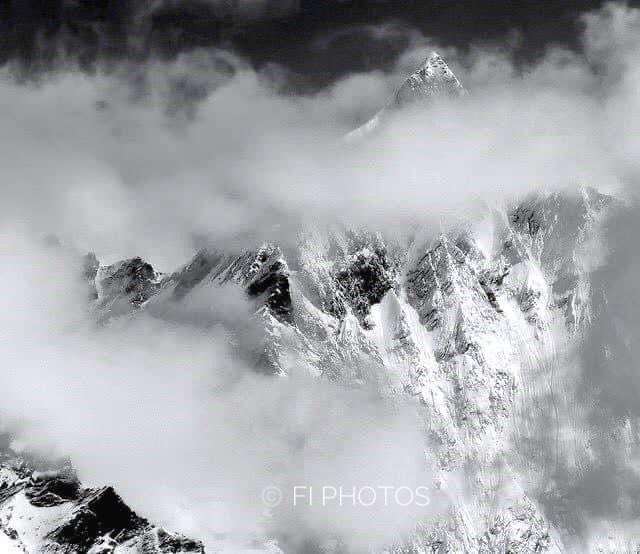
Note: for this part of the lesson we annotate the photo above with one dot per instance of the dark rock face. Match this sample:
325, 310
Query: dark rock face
527, 219
365, 278
52, 488
274, 284
268, 277
134, 278
100, 512
160, 541
124, 286
201, 266
263, 273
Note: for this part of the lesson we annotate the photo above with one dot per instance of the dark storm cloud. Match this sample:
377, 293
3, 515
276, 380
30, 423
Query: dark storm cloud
40, 35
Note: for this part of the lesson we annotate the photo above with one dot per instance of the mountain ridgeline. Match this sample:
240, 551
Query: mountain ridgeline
463, 323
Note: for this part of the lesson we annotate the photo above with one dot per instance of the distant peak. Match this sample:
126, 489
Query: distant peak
435, 65
430, 80
434, 59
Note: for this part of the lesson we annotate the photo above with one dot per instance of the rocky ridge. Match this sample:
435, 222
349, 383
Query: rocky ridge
44, 508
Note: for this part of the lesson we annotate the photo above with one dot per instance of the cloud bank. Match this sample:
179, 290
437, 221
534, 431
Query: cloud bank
166, 410
151, 162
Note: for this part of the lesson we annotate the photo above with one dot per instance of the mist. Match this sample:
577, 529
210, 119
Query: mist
165, 410
150, 171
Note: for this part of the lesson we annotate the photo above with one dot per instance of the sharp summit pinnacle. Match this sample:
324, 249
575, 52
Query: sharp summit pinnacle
432, 79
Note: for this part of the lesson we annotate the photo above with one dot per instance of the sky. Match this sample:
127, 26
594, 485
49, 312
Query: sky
317, 42
153, 128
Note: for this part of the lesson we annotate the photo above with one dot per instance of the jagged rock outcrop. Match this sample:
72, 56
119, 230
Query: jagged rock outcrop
50, 511
124, 286
263, 273
364, 278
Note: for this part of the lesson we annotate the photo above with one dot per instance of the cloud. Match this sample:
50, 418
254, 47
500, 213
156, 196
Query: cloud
44, 37
161, 406
256, 9
210, 148
392, 33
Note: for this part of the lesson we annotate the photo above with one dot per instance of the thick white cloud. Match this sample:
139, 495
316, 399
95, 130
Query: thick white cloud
211, 149
165, 410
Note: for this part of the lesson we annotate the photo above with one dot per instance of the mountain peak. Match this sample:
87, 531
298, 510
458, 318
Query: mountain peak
434, 60
435, 65
432, 79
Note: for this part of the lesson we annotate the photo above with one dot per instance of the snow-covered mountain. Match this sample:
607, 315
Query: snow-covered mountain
431, 80
459, 322
463, 323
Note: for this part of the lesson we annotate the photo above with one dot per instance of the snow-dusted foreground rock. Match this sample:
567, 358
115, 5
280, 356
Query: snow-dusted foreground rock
50, 511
